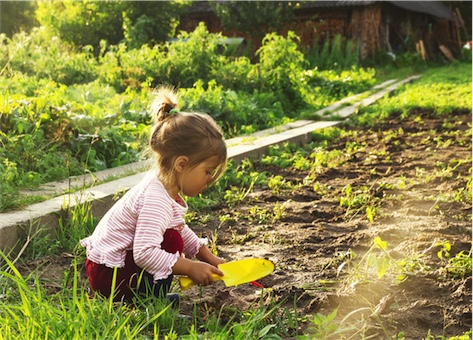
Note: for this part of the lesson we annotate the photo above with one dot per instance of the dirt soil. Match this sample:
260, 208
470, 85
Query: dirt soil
316, 236
318, 248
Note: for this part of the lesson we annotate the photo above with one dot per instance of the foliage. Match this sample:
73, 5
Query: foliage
80, 134
338, 84
146, 317
82, 23
325, 327
191, 57
17, 16
37, 55
151, 22
234, 110
456, 267
253, 18
281, 63
87, 22
334, 54
89, 111
30, 311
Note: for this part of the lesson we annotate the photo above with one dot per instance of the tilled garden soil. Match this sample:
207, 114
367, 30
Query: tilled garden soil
318, 248
316, 235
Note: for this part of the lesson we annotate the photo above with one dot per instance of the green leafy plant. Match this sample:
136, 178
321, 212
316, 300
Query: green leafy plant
325, 327
358, 200
377, 263
457, 266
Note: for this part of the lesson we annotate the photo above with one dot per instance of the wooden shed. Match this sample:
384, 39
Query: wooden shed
391, 26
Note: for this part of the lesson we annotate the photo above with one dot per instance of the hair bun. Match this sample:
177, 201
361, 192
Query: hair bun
167, 108
164, 102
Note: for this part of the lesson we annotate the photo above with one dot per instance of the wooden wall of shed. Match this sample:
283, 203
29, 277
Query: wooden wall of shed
315, 26
377, 27
365, 26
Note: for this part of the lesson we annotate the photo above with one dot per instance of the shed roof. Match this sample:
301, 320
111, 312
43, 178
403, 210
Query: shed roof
433, 8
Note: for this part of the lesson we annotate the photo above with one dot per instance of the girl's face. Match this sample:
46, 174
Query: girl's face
193, 181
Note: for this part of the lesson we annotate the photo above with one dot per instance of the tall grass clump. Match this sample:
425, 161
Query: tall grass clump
33, 313
30, 311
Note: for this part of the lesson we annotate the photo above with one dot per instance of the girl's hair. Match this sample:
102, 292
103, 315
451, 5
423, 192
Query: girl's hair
194, 135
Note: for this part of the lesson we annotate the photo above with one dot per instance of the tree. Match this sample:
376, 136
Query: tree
82, 23
87, 22
255, 18
151, 21
16, 16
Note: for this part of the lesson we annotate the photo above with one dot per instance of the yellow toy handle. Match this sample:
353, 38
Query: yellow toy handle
186, 282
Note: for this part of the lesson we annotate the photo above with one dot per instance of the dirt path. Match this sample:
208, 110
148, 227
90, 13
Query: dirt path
413, 177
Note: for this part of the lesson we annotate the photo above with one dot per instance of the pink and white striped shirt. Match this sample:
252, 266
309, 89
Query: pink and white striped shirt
138, 222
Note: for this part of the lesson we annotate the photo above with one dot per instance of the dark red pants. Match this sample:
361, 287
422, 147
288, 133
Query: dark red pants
128, 277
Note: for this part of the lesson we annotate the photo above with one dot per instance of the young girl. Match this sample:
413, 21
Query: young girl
144, 235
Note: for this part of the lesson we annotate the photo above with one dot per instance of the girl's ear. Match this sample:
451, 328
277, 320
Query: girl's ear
180, 163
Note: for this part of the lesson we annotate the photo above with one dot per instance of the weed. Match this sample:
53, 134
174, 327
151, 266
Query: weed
358, 200
213, 243
325, 327
277, 183
464, 336
258, 214
377, 262
455, 267
279, 212
241, 239
226, 219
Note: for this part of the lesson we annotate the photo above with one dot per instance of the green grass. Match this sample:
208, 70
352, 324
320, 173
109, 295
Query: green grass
442, 90
29, 310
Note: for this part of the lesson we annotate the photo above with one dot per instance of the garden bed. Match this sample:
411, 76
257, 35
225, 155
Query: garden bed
316, 236
384, 235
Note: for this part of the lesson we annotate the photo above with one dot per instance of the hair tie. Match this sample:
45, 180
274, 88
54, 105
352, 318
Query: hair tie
172, 112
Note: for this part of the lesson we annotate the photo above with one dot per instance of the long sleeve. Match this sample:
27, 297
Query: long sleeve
158, 213
138, 222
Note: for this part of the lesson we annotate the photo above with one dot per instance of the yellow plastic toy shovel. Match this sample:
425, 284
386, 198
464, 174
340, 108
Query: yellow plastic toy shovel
237, 272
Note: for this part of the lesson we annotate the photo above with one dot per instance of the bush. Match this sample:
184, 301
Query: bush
281, 64
191, 57
46, 57
237, 112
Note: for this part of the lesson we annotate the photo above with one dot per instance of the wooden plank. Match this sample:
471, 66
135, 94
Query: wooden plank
446, 52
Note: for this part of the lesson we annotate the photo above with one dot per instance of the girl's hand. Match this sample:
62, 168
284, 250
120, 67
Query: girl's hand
201, 273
